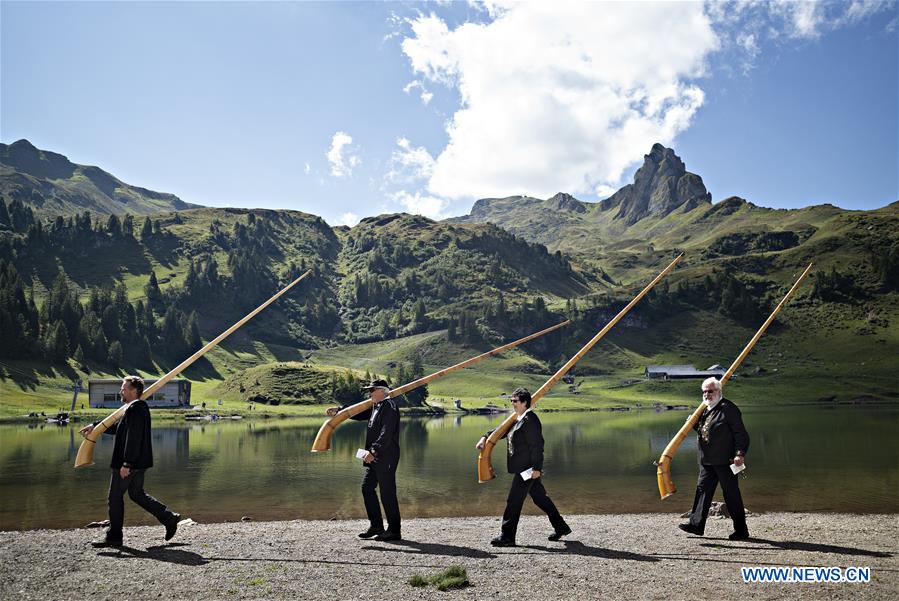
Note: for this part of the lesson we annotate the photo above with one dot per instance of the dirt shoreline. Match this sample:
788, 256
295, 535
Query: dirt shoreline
632, 556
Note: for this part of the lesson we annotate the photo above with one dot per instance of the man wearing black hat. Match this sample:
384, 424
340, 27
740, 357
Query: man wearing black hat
382, 446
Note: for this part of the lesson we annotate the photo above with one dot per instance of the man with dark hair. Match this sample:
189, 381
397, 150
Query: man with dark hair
132, 455
723, 441
382, 455
525, 462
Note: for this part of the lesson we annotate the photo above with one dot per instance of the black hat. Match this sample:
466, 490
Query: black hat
378, 383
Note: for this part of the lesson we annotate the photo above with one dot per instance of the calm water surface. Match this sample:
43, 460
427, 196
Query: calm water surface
802, 458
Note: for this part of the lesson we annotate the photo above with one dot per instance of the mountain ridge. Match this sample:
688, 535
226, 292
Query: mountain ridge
53, 185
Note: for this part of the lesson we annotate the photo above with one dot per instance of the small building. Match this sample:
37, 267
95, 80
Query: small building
105, 393
683, 372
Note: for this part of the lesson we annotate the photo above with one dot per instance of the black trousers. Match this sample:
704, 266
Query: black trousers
383, 477
517, 494
709, 477
134, 486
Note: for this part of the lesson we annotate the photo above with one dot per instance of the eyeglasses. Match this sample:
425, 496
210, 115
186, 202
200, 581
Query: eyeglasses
517, 401
712, 391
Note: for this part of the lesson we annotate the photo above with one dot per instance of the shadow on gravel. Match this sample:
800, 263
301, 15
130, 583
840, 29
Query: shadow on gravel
166, 553
417, 548
787, 545
169, 554
574, 547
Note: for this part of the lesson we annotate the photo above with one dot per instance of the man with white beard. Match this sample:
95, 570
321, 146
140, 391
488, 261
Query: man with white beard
723, 441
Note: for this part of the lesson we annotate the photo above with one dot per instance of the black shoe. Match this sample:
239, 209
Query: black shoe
559, 533
738, 536
688, 527
502, 542
172, 527
388, 535
371, 532
106, 542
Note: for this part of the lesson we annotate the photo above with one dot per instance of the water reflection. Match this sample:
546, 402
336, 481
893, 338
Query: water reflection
801, 459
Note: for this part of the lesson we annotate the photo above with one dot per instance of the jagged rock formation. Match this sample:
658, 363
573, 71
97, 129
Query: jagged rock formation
660, 186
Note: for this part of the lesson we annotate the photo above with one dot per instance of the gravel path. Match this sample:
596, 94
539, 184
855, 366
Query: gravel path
641, 556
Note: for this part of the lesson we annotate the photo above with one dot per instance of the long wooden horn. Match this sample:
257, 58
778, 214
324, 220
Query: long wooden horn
323, 438
485, 466
663, 471
85, 455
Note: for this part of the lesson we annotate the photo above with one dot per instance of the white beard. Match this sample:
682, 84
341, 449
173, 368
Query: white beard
710, 402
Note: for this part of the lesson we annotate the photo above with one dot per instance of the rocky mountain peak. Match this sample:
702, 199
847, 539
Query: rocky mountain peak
661, 185
566, 202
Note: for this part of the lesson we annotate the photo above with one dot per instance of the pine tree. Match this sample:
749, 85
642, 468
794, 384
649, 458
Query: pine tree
192, 332
152, 291
114, 226
416, 398
128, 225
115, 354
58, 343
146, 231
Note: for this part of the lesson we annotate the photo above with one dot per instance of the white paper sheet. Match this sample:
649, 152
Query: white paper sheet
361, 453
737, 469
526, 474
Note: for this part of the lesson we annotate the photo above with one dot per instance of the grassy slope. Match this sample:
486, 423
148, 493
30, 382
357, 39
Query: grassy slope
818, 350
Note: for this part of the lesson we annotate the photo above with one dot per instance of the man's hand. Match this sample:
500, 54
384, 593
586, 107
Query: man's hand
86, 430
738, 460
332, 411
535, 474
124, 472
369, 457
481, 443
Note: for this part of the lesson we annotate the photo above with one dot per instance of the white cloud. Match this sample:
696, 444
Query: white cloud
409, 165
422, 204
603, 191
410, 168
349, 218
544, 111
342, 156
569, 96
425, 95
307, 168
790, 19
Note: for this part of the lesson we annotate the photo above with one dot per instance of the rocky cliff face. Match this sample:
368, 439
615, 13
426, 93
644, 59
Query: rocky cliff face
660, 186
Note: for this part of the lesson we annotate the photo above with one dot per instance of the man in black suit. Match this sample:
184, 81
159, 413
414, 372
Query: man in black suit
525, 452
382, 445
132, 455
723, 441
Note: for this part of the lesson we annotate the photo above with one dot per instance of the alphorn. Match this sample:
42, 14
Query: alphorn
323, 438
663, 471
485, 466
85, 455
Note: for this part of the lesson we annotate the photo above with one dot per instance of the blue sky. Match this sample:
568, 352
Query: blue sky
347, 110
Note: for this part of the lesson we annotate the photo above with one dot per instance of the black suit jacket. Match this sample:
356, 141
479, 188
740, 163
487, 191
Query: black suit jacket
382, 437
133, 447
721, 434
525, 444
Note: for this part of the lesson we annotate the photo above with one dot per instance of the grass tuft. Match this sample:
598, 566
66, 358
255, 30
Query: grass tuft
450, 578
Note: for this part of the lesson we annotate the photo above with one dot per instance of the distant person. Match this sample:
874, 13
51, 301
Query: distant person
525, 452
723, 441
382, 446
204, 405
132, 455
